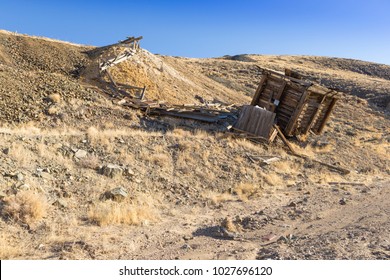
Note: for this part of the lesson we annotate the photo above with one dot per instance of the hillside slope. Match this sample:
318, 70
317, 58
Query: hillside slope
82, 177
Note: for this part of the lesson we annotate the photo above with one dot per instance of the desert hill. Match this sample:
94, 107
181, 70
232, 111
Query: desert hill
83, 177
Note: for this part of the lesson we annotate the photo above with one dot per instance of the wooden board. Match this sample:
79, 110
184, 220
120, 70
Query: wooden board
256, 121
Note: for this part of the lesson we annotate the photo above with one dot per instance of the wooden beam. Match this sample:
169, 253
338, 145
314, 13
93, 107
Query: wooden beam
143, 93
285, 141
290, 126
294, 153
326, 117
259, 90
315, 116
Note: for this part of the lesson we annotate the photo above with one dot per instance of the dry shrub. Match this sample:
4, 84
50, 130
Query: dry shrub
92, 134
53, 110
26, 207
128, 213
248, 145
90, 161
179, 132
245, 191
55, 98
101, 138
287, 167
159, 159
7, 249
217, 198
273, 179
21, 155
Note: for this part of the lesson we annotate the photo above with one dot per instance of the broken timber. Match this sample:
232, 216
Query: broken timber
118, 59
300, 106
294, 153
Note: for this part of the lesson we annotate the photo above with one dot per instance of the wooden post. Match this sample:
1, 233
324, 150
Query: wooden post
143, 93
327, 115
256, 97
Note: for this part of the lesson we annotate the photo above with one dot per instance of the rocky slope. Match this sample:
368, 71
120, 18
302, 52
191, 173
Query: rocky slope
82, 177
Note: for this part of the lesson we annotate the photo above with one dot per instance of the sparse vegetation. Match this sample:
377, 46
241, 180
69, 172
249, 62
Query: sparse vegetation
182, 177
26, 207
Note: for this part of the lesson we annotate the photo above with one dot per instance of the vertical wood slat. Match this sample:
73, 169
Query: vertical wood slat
327, 115
315, 116
296, 113
256, 121
259, 90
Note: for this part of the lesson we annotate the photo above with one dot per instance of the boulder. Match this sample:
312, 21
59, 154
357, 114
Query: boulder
81, 153
117, 194
111, 170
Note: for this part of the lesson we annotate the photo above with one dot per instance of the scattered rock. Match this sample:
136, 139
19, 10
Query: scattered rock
129, 172
186, 247
188, 237
81, 153
19, 177
343, 201
117, 194
292, 204
269, 237
23, 187
60, 203
45, 175
6, 151
111, 170
222, 232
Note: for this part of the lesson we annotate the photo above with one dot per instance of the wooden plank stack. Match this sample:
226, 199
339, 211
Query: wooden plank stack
300, 106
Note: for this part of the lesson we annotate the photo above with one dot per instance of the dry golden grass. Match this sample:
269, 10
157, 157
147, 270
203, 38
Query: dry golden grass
8, 250
273, 179
90, 161
246, 191
139, 212
217, 198
55, 98
325, 177
26, 206
160, 159
108, 213
287, 167
230, 225
53, 110
21, 155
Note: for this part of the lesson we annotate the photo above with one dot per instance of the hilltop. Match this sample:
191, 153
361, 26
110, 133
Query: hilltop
66, 144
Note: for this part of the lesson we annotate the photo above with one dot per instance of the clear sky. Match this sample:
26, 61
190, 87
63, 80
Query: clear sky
357, 29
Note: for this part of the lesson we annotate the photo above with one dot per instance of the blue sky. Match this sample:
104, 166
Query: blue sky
344, 28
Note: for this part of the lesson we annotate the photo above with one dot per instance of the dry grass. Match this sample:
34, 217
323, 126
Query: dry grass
53, 110
55, 98
273, 179
287, 167
217, 198
8, 250
26, 207
246, 191
21, 155
160, 159
139, 212
90, 161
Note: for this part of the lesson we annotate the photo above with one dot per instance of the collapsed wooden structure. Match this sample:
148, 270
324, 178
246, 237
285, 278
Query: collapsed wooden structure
300, 106
132, 96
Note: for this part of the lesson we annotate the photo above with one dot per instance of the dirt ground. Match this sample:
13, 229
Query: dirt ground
82, 177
